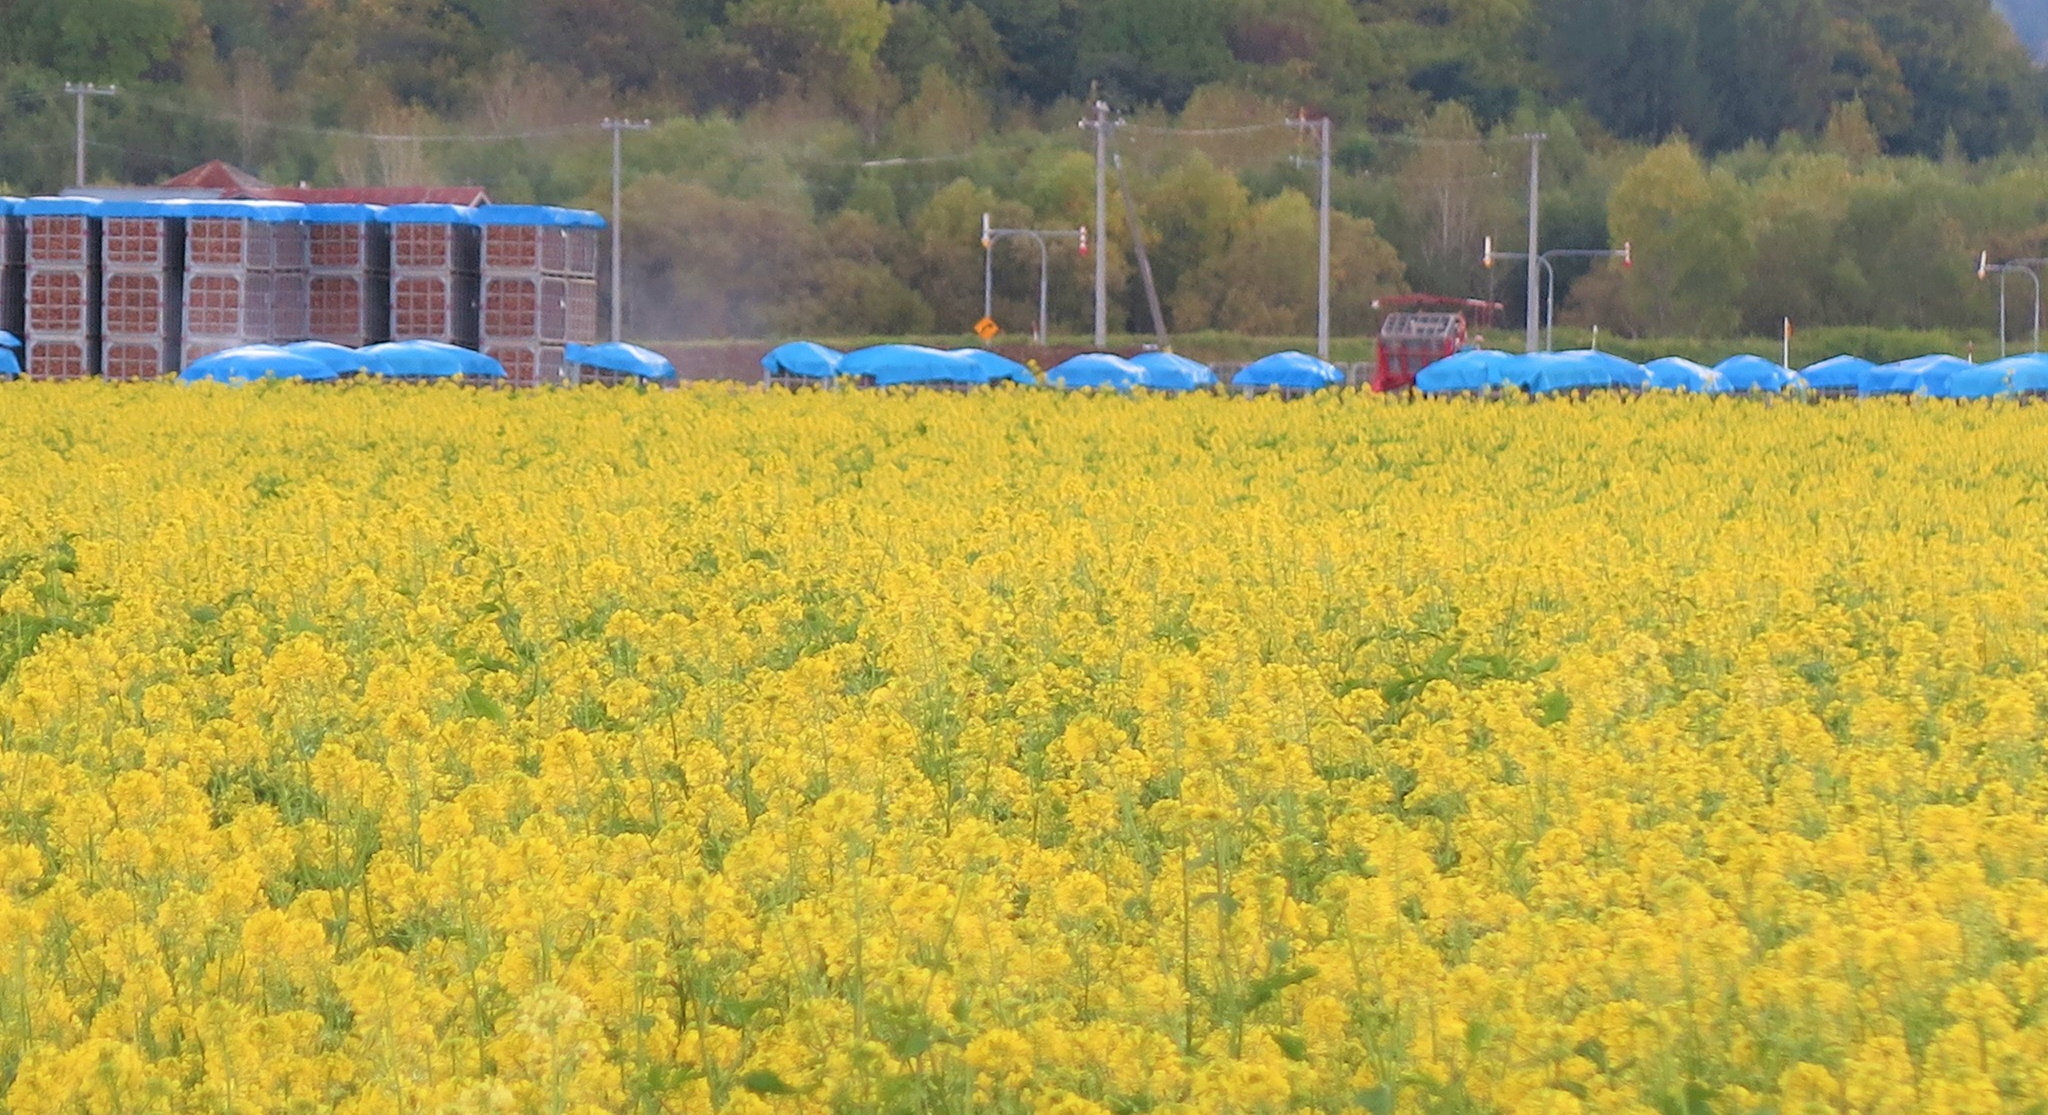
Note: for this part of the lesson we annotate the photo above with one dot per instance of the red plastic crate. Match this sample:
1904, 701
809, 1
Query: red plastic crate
347, 309
290, 318
60, 240
134, 304
425, 247
199, 348
582, 252
347, 247
434, 308
60, 302
512, 309
213, 305
137, 359
528, 365
514, 247
60, 357
554, 251
215, 242
138, 242
582, 312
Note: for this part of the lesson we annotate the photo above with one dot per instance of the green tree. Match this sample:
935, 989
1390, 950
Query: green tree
1691, 243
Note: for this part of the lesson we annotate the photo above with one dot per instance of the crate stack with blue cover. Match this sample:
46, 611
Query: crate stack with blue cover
62, 295
349, 275
527, 305
13, 267
435, 259
245, 274
142, 248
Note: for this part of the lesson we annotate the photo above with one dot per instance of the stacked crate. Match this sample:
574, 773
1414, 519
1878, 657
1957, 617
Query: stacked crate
142, 255
62, 313
349, 275
245, 274
435, 259
578, 272
13, 267
523, 311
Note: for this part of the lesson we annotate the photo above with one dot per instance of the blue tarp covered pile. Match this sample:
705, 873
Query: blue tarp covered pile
1165, 371
1745, 374
899, 365
10, 360
1545, 373
428, 360
1837, 374
622, 358
1676, 373
1923, 375
253, 362
340, 359
804, 359
1288, 371
1099, 370
1474, 371
1977, 381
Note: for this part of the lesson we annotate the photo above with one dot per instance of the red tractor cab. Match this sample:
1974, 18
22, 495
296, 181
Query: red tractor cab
1421, 329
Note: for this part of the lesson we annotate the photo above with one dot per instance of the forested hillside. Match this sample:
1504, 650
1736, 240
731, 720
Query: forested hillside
823, 164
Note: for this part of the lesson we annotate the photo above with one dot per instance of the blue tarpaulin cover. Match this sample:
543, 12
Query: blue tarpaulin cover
544, 216
10, 364
1166, 371
997, 368
1096, 369
1676, 373
2029, 374
1836, 373
264, 212
58, 207
1291, 371
893, 364
1922, 374
341, 213
254, 362
618, 356
429, 360
343, 359
1978, 381
1744, 373
1577, 370
428, 215
803, 358
1473, 371
9, 340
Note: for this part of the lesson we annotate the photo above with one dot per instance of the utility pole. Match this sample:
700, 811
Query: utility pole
618, 129
1099, 121
1532, 320
82, 90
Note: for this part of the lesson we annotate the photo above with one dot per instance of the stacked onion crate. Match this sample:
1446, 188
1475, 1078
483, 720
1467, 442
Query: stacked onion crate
245, 274
142, 250
13, 267
62, 312
349, 274
528, 307
578, 271
435, 257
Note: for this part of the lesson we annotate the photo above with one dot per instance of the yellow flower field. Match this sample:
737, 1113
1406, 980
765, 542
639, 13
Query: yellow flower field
426, 750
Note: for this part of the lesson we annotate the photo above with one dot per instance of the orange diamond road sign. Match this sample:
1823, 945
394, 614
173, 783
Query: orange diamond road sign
987, 329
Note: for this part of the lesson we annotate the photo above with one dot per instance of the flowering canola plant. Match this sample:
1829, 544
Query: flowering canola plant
416, 750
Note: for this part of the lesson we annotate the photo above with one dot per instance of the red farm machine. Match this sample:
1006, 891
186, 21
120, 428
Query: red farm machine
1421, 329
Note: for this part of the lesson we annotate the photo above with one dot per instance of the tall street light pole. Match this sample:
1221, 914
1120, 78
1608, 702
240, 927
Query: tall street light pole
618, 129
82, 90
1531, 320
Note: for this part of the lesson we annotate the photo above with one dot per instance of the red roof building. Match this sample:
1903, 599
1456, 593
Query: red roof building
219, 179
